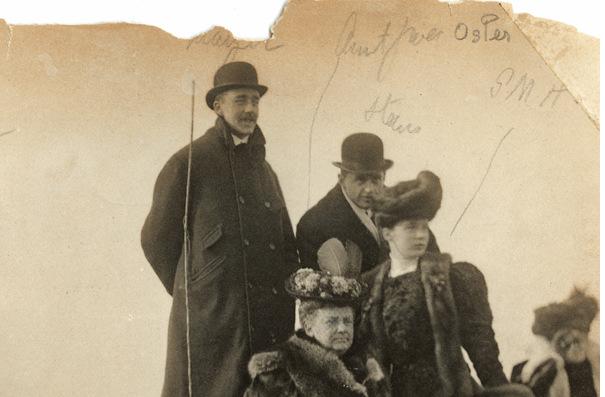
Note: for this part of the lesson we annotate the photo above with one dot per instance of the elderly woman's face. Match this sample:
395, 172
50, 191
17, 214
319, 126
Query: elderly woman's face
332, 327
409, 237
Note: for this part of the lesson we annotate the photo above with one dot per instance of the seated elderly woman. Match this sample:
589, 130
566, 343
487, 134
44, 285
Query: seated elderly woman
317, 360
422, 307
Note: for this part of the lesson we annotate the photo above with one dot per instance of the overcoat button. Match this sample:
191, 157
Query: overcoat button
241, 199
250, 285
274, 291
272, 246
267, 204
246, 242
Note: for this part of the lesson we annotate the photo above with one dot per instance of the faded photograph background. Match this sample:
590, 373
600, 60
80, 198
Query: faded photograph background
90, 114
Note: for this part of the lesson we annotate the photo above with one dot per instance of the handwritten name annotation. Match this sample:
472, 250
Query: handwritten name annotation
221, 38
523, 88
387, 44
389, 118
462, 30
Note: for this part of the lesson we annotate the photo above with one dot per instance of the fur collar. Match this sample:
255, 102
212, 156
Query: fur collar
314, 370
435, 269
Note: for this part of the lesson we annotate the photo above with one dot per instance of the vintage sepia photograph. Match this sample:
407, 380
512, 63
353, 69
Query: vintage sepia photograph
378, 198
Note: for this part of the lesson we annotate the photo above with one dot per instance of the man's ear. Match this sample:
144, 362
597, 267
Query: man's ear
308, 330
340, 178
217, 107
386, 233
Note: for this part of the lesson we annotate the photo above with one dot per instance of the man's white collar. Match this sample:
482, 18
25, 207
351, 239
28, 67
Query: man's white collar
238, 141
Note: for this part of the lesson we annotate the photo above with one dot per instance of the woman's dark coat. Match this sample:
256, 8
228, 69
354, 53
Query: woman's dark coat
302, 368
456, 298
242, 248
333, 217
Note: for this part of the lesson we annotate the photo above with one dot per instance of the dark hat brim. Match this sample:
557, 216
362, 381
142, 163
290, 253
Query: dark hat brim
352, 168
211, 95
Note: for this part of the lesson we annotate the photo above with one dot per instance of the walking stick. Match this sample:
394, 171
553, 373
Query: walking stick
187, 243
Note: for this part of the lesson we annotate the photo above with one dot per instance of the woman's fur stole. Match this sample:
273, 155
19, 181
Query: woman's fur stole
301, 367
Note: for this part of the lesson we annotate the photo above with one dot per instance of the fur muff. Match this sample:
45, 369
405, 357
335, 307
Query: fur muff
531, 372
312, 371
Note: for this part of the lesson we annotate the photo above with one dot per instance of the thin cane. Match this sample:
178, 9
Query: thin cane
187, 243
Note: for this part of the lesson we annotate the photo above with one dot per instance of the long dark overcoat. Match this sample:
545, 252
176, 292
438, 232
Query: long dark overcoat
242, 250
333, 217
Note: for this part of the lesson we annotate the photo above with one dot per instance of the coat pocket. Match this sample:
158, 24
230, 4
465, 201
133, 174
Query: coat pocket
210, 259
212, 236
208, 267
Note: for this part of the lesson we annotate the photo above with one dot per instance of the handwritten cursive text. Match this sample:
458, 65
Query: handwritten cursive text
386, 46
222, 38
389, 118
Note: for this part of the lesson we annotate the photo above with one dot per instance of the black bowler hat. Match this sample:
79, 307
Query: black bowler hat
363, 153
234, 75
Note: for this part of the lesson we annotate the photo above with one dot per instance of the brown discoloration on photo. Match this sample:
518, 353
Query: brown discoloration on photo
96, 111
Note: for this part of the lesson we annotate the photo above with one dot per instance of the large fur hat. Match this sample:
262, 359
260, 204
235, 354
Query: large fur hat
416, 199
577, 312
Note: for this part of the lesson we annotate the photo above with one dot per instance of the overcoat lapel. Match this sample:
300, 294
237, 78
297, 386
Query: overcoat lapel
353, 228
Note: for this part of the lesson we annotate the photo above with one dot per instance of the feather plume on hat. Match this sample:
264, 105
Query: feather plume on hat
340, 260
577, 312
416, 199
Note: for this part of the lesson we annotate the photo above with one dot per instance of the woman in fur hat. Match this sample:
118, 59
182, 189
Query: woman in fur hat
317, 361
563, 362
422, 307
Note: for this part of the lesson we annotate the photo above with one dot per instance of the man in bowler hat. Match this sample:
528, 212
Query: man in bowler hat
344, 213
241, 246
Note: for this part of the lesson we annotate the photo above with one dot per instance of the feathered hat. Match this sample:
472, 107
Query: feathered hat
416, 199
312, 284
577, 312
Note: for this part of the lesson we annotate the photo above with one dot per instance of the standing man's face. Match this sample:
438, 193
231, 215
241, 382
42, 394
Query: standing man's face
239, 108
360, 187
